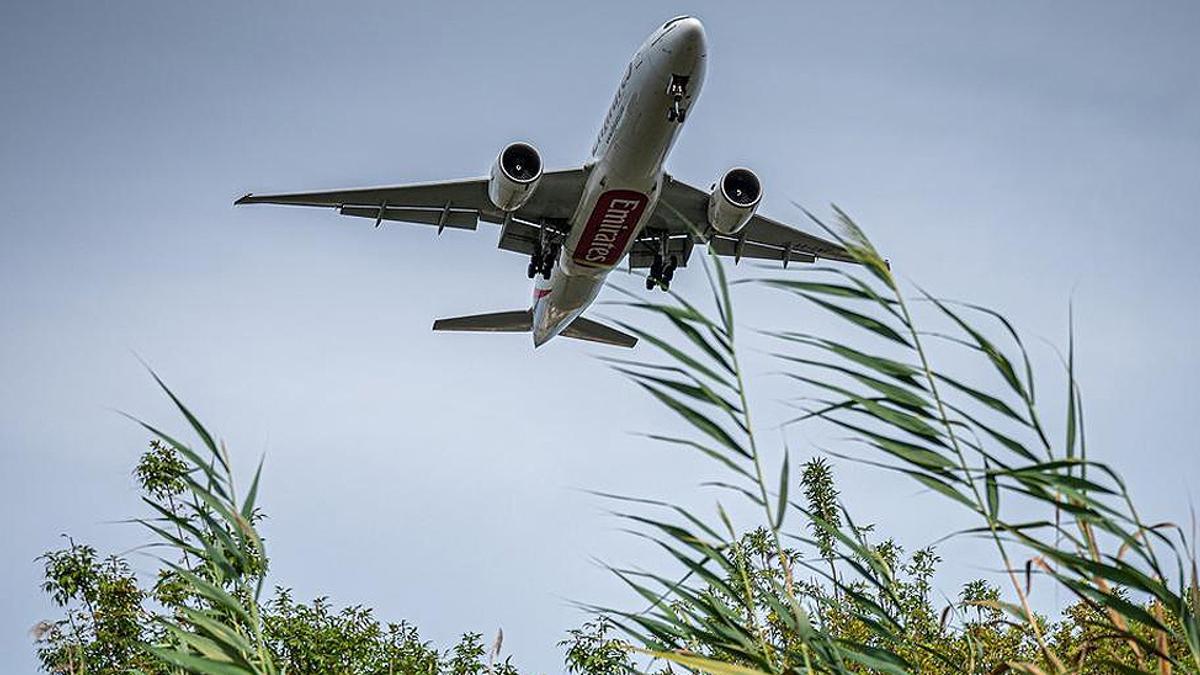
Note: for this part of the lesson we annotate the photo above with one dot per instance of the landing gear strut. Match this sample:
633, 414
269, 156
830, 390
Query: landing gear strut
661, 272
548, 262
662, 268
677, 89
542, 262
676, 112
544, 254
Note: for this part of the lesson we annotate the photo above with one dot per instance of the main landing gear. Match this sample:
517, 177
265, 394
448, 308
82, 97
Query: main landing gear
661, 272
662, 268
542, 262
545, 252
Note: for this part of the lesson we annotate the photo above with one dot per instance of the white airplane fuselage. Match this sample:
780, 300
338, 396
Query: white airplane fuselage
626, 172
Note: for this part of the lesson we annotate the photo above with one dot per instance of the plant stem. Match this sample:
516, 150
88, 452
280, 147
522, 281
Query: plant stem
965, 468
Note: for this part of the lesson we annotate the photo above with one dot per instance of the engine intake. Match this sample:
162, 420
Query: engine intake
515, 176
733, 200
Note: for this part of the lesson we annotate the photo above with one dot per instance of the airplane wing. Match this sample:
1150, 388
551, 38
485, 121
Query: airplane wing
461, 204
682, 212
457, 204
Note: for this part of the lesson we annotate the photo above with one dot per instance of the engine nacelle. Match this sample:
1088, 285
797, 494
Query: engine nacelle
515, 176
733, 200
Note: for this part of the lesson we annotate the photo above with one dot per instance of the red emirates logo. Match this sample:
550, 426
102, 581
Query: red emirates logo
607, 232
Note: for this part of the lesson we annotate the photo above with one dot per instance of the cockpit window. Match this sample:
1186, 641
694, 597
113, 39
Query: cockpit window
675, 20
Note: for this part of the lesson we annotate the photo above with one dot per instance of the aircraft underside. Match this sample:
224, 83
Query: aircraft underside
577, 225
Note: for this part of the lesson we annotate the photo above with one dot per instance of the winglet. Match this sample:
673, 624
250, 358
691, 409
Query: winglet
244, 199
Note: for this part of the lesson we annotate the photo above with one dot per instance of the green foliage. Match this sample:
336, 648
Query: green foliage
104, 623
315, 638
161, 472
204, 613
802, 588
591, 651
822, 501
756, 602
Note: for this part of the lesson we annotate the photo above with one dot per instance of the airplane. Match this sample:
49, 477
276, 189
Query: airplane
577, 225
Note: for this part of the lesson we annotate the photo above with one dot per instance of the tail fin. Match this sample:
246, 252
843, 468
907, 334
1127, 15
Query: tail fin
520, 321
586, 329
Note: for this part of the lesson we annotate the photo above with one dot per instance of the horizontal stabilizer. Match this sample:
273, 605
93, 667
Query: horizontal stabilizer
586, 329
497, 322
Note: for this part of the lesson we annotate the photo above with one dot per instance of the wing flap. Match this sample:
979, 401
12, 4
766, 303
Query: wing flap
519, 237
740, 248
642, 256
470, 193
461, 219
555, 198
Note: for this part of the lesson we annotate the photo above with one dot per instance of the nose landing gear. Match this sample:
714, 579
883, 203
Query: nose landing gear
677, 90
676, 113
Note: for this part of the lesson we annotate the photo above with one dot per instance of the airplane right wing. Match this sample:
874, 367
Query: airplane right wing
456, 204
682, 213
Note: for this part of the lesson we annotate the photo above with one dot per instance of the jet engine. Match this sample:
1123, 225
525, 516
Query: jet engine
733, 200
515, 176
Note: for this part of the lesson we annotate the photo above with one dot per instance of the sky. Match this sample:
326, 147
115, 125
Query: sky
1022, 155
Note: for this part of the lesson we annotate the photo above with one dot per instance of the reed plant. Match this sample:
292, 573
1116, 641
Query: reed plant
786, 581
807, 589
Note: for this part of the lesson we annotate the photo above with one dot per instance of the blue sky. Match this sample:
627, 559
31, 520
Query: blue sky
1016, 154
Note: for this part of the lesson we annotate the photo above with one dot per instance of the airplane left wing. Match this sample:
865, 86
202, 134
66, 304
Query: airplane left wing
458, 204
682, 212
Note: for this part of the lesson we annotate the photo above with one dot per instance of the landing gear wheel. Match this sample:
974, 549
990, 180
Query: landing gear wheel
676, 113
668, 272
661, 273
532, 270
